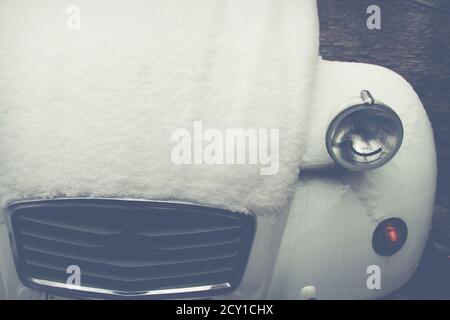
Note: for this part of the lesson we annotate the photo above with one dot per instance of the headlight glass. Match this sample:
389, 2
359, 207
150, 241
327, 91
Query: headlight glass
364, 136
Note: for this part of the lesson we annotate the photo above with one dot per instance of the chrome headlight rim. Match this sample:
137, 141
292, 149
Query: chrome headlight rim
368, 105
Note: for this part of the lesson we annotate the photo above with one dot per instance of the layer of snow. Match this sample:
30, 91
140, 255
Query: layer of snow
90, 112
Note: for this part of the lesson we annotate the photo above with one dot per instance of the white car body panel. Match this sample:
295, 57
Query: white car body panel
323, 237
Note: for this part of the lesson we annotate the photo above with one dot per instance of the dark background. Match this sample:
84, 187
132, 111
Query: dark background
414, 41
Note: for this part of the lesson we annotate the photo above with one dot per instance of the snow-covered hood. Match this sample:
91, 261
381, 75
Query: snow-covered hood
92, 112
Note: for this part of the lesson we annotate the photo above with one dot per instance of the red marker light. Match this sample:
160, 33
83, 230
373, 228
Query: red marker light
391, 233
389, 236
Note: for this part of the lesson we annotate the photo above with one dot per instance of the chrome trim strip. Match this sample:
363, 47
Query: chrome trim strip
32, 201
83, 289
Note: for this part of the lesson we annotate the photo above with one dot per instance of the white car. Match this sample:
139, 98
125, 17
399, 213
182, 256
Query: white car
96, 100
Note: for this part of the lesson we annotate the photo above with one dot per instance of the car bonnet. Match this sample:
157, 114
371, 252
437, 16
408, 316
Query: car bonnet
95, 98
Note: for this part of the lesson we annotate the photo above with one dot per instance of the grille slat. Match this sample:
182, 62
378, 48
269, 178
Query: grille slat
79, 243
106, 232
61, 263
50, 240
81, 228
127, 246
164, 244
204, 245
102, 253
127, 277
187, 237
123, 262
187, 232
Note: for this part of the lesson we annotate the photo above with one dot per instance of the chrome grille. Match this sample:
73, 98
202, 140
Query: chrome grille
130, 248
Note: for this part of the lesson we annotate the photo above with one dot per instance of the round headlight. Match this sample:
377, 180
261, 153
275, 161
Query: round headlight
364, 136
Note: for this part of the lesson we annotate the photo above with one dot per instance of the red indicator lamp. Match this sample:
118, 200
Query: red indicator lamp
392, 233
389, 237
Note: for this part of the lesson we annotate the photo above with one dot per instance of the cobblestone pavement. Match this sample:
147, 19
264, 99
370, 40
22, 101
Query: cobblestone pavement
414, 40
